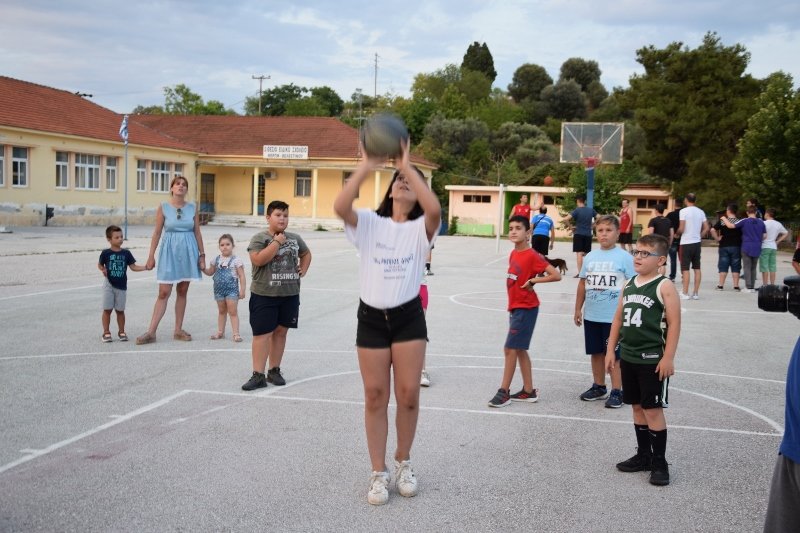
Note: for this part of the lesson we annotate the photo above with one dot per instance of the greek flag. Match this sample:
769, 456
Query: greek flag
123, 129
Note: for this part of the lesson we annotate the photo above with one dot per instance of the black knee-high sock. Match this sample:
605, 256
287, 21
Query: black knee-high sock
659, 441
643, 438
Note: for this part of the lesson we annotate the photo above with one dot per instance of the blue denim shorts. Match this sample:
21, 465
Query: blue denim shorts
730, 257
520, 328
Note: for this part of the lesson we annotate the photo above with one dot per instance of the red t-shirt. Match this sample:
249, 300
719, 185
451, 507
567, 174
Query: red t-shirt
524, 210
522, 266
625, 222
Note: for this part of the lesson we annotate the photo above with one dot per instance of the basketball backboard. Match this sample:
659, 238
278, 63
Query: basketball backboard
600, 142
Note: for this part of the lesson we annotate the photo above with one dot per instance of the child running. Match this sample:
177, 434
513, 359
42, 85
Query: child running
524, 265
113, 263
647, 325
230, 285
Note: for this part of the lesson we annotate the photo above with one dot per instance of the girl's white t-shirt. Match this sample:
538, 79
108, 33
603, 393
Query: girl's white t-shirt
392, 258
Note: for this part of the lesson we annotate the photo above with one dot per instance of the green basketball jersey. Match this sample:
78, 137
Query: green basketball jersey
644, 322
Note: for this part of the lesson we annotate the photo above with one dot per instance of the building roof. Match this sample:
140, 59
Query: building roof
36, 107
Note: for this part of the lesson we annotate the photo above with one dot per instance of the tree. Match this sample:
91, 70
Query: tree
479, 58
148, 110
693, 107
498, 110
308, 106
273, 101
432, 86
329, 100
475, 86
528, 82
565, 100
768, 161
180, 100
581, 70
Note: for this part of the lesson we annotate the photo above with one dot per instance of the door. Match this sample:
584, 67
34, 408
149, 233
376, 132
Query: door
207, 194
262, 183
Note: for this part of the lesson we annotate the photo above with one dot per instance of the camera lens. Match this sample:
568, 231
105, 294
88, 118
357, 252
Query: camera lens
772, 298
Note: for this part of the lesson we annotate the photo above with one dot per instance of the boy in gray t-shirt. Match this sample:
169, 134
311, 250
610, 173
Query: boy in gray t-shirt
279, 260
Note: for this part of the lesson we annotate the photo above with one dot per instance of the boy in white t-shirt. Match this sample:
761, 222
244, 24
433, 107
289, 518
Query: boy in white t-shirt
768, 261
693, 227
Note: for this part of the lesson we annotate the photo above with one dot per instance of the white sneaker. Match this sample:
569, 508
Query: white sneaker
695, 296
425, 379
378, 488
405, 479
685, 296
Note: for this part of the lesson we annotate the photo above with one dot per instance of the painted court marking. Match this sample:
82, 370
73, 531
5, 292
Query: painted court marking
273, 393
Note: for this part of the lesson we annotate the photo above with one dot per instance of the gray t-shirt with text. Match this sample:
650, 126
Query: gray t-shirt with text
279, 277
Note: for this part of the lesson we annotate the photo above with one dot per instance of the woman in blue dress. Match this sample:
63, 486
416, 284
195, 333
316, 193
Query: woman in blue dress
181, 258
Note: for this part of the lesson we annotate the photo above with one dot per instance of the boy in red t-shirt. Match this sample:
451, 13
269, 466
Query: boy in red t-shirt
524, 265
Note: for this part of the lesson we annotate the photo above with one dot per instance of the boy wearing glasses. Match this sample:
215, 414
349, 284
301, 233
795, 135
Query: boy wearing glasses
647, 325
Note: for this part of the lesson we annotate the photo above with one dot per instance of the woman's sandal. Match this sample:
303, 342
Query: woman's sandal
147, 338
217, 336
237, 337
182, 336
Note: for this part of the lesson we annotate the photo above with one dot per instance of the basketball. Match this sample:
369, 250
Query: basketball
548, 180
381, 135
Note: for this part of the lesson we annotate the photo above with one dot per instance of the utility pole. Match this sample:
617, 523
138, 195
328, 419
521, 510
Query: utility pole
376, 76
260, 81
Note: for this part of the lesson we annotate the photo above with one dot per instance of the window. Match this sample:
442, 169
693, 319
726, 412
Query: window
141, 175
19, 167
2, 166
159, 176
111, 173
302, 183
178, 169
648, 203
345, 179
87, 172
62, 170
552, 200
477, 198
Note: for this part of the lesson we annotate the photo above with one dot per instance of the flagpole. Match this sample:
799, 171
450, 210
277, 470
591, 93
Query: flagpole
123, 132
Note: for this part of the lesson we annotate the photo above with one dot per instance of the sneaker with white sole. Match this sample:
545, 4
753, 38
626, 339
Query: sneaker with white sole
524, 396
614, 400
594, 393
685, 296
695, 296
405, 480
425, 379
378, 488
501, 399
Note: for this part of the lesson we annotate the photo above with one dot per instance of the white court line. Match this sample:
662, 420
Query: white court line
352, 352
54, 291
33, 454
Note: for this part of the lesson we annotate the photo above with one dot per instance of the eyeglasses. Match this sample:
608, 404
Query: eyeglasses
180, 213
644, 253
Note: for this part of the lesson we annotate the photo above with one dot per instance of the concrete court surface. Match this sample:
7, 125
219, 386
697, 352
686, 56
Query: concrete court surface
119, 437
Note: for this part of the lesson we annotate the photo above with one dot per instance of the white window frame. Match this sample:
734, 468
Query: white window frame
141, 175
87, 172
2, 165
19, 167
62, 170
159, 176
111, 173
302, 183
178, 169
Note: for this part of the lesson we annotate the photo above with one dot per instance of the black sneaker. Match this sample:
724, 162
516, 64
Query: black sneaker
501, 399
638, 463
274, 376
256, 381
596, 392
522, 396
659, 473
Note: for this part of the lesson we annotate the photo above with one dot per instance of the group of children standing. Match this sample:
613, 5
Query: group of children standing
630, 313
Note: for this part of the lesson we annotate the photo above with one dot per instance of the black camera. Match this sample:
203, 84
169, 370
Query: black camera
781, 298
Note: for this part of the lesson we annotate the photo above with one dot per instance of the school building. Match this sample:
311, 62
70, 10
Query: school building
482, 209
61, 152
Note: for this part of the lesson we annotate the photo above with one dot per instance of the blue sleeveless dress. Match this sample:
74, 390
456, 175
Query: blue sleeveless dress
178, 253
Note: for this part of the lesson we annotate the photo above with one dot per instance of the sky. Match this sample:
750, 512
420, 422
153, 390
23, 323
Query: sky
124, 53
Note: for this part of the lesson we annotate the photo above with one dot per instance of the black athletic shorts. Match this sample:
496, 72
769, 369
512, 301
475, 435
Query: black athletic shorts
641, 386
541, 243
625, 238
380, 328
582, 243
690, 256
269, 312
